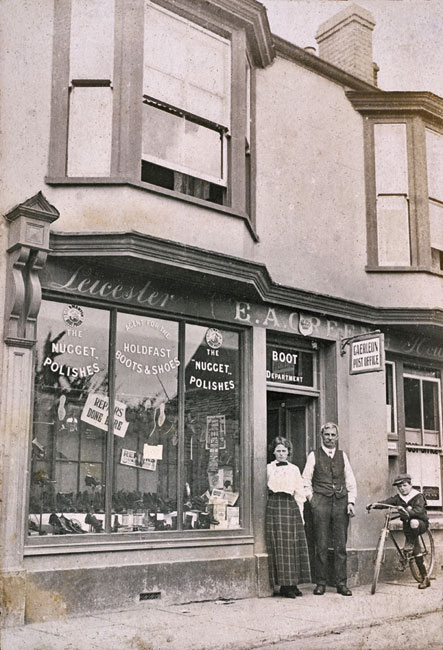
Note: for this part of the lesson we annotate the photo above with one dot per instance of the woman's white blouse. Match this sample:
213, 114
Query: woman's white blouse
287, 478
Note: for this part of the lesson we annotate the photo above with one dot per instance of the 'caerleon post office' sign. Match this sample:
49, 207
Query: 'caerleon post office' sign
367, 354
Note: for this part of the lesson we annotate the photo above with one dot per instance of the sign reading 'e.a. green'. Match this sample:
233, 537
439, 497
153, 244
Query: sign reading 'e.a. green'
367, 354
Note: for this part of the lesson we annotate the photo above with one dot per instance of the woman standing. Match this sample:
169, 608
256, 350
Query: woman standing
285, 534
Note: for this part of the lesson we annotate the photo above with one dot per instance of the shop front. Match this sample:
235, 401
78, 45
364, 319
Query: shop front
154, 394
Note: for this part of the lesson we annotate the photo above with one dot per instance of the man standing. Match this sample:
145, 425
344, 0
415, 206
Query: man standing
331, 490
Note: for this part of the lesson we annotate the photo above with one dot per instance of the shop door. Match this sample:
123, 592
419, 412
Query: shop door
290, 416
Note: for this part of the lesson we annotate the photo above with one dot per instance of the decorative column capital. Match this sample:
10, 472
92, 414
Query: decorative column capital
28, 248
30, 223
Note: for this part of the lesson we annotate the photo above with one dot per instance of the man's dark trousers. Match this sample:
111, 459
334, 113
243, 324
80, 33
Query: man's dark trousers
330, 515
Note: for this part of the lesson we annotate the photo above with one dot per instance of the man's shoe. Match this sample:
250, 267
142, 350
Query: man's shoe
343, 590
425, 584
408, 547
319, 590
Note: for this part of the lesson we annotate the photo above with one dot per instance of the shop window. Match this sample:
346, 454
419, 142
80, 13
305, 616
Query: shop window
68, 444
169, 459
422, 410
423, 431
212, 425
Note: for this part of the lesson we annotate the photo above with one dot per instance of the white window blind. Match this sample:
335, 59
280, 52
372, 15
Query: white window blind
393, 231
92, 39
434, 157
391, 167
186, 66
436, 222
90, 131
391, 180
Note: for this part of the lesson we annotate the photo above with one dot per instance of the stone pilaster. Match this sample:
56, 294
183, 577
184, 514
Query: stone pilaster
28, 246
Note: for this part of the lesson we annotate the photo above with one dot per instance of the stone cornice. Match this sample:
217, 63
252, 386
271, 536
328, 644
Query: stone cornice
321, 66
247, 14
396, 103
238, 277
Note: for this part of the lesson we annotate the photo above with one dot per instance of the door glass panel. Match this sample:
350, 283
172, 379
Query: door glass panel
146, 445
212, 469
412, 403
430, 405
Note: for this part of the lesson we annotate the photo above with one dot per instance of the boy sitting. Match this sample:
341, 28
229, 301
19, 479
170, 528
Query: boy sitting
412, 511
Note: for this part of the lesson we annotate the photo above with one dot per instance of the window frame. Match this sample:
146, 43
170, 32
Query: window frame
114, 540
127, 88
421, 378
393, 435
419, 111
419, 228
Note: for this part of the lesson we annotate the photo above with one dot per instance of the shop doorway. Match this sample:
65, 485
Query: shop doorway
291, 416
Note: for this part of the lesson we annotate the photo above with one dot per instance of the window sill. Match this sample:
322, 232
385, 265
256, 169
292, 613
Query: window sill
402, 269
97, 543
100, 180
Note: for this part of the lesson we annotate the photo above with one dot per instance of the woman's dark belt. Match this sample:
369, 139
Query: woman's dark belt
280, 494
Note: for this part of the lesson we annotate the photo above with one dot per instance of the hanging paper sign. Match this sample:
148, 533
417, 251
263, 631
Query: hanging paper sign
128, 457
153, 451
95, 412
215, 432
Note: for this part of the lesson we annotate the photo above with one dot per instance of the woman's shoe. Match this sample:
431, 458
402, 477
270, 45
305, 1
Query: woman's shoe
287, 592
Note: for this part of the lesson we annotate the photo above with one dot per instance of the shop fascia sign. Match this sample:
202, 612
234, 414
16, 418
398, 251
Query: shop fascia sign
366, 352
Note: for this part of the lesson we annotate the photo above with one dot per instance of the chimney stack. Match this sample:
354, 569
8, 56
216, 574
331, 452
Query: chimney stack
345, 40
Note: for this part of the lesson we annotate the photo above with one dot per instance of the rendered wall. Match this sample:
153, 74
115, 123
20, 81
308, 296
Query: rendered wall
310, 192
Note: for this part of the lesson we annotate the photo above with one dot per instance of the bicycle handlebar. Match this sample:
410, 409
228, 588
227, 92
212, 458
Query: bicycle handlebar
387, 506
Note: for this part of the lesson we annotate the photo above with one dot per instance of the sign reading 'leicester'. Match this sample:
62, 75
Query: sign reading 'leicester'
367, 354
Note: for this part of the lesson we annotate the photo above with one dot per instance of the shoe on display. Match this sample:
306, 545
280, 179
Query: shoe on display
96, 524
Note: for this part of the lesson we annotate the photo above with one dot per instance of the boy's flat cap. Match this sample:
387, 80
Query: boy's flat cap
401, 478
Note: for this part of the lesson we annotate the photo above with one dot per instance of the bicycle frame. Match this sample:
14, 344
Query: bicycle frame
405, 557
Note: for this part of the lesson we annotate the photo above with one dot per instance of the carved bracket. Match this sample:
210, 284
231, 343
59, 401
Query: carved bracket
28, 248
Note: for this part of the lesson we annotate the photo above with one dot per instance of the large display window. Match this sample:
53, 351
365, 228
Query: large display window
169, 458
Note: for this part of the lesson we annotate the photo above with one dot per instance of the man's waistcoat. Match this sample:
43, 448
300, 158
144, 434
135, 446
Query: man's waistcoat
329, 474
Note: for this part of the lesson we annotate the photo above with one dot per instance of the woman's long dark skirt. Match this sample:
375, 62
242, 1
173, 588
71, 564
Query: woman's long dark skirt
286, 541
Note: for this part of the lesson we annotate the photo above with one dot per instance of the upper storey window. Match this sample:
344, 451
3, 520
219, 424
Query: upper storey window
434, 157
392, 195
404, 179
158, 94
186, 105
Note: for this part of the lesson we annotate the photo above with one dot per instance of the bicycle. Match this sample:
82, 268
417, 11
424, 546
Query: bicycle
405, 557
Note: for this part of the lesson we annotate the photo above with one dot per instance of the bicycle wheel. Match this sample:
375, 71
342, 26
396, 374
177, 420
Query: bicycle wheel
378, 558
428, 550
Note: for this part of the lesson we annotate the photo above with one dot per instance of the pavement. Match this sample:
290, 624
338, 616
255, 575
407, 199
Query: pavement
233, 625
